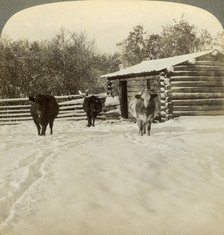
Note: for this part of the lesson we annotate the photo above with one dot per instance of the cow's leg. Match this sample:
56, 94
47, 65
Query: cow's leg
51, 126
89, 120
94, 118
43, 131
141, 128
148, 127
38, 127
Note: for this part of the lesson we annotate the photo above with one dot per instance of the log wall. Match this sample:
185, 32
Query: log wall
198, 89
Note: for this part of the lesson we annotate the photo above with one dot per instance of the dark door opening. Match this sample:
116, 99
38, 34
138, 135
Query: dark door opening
124, 99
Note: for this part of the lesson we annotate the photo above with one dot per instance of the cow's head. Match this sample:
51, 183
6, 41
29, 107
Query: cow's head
96, 104
40, 103
146, 96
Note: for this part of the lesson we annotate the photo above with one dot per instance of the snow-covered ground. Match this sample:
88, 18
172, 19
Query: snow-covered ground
108, 180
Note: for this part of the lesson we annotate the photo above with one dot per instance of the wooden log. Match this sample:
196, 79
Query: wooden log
71, 114
165, 105
162, 90
69, 111
199, 108
197, 73
69, 97
14, 100
189, 78
167, 82
210, 63
168, 99
71, 102
16, 119
210, 57
162, 102
168, 105
168, 92
196, 67
24, 110
191, 102
163, 95
163, 119
180, 96
168, 87
14, 106
80, 118
27, 99
112, 107
103, 117
163, 114
198, 89
197, 83
169, 116
15, 111
113, 118
197, 113
163, 108
71, 107
76, 114
134, 92
15, 115
27, 115
113, 115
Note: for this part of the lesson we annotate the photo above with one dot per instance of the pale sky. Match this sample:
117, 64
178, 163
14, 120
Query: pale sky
107, 22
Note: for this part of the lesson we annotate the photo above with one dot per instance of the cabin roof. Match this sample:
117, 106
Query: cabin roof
156, 66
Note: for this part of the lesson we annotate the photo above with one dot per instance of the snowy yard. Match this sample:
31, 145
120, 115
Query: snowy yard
108, 180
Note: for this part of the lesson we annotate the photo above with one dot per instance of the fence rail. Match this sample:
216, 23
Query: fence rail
16, 111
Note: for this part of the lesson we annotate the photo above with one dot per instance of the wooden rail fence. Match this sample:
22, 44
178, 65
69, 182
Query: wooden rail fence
15, 111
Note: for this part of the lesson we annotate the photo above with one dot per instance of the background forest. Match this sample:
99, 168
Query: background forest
70, 61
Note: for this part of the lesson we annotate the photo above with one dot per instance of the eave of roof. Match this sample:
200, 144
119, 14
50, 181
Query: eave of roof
154, 66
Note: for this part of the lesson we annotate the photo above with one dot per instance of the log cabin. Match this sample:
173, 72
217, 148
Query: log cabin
191, 84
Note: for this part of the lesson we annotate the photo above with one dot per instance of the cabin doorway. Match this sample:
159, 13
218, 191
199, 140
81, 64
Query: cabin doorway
154, 86
124, 99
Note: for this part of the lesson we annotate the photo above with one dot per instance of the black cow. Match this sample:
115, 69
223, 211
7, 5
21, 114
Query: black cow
44, 109
92, 105
144, 108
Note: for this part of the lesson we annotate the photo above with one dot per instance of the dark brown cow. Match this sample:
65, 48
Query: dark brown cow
44, 109
144, 108
92, 105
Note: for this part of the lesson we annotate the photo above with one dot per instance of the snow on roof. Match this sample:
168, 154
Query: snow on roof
156, 65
